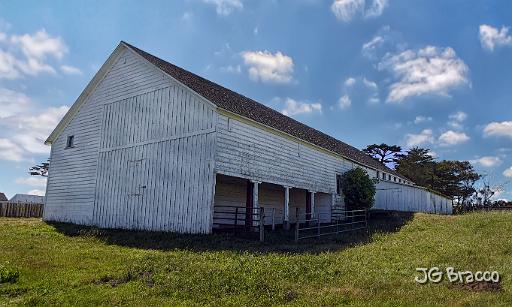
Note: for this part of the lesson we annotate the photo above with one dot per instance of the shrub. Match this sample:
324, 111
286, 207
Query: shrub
358, 189
8, 273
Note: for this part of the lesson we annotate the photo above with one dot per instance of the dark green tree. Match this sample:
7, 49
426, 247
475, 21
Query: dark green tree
358, 189
40, 169
418, 165
383, 153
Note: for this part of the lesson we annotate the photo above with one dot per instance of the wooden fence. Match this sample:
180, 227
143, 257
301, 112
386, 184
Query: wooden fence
8, 209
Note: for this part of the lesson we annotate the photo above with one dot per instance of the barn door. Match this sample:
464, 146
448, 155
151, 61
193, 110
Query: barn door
121, 188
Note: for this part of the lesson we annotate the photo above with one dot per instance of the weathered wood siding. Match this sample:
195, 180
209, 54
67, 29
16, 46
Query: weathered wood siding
156, 163
137, 128
247, 151
392, 196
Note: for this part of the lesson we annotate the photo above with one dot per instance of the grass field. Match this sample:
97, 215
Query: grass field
64, 264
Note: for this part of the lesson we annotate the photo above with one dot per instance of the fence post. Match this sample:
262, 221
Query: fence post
262, 225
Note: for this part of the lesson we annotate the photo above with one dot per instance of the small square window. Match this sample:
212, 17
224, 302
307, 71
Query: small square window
70, 142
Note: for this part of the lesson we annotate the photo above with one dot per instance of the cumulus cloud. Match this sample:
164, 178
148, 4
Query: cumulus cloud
360, 88
491, 37
12, 102
499, 129
10, 151
24, 125
268, 67
344, 102
28, 54
422, 119
456, 119
508, 172
225, 7
428, 71
451, 137
70, 70
346, 10
294, 107
424, 137
487, 161
350, 81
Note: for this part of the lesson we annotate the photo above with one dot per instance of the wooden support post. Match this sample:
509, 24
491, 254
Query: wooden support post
262, 225
286, 222
312, 194
273, 219
256, 207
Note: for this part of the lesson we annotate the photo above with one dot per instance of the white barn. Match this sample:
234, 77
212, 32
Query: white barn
149, 145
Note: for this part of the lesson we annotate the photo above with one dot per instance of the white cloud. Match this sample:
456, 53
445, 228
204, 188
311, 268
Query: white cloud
350, 81
370, 47
431, 70
508, 172
376, 8
268, 67
24, 125
370, 84
28, 54
421, 119
10, 151
35, 181
491, 37
344, 102
499, 129
293, 107
70, 70
225, 7
487, 161
425, 137
36, 192
12, 103
451, 137
456, 119
346, 10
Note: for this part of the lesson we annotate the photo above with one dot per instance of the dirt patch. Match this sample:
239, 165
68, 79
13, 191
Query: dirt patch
480, 286
146, 277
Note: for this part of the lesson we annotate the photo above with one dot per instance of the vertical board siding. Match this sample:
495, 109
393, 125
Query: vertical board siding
392, 196
246, 151
135, 113
155, 174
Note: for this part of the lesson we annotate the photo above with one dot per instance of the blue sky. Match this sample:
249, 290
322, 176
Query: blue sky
430, 73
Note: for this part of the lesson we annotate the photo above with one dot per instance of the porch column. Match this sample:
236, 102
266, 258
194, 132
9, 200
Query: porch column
312, 195
286, 222
255, 202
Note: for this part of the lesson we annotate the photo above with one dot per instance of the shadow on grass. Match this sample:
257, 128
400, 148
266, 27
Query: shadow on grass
278, 241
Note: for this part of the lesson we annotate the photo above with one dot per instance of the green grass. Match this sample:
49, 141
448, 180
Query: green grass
61, 264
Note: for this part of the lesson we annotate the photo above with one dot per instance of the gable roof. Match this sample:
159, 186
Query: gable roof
3, 197
236, 103
230, 101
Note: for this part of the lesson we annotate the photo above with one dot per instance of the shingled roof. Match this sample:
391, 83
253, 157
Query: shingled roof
236, 103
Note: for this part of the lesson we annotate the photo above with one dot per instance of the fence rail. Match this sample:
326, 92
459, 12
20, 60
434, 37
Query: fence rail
8, 209
239, 218
341, 221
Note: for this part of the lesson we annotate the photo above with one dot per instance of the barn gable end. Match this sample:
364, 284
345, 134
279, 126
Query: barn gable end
126, 133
